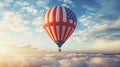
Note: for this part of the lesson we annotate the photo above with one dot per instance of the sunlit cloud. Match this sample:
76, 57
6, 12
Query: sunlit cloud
21, 3
14, 22
42, 3
76, 60
31, 10
5, 3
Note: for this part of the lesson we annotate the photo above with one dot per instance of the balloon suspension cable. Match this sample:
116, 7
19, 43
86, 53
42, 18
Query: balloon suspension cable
59, 50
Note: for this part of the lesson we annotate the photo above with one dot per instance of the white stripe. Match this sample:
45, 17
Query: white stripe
67, 32
64, 14
51, 15
49, 33
58, 14
71, 21
53, 32
74, 23
71, 14
46, 15
58, 31
63, 31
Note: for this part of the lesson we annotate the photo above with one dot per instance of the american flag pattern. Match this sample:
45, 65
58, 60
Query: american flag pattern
59, 23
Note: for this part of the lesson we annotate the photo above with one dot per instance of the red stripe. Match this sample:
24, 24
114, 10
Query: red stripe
66, 36
61, 21
63, 30
66, 29
54, 15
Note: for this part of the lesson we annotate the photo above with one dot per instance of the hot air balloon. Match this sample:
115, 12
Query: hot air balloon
59, 23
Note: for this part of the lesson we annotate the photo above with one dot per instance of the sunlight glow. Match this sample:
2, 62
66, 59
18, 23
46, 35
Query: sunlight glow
5, 51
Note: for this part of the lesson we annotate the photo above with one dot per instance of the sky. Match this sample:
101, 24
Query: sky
98, 25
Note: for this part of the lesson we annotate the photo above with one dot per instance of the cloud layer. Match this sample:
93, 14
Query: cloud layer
62, 60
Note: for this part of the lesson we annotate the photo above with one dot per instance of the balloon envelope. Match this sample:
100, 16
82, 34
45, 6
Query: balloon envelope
60, 22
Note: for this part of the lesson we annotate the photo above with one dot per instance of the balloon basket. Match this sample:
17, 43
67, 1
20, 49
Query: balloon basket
59, 50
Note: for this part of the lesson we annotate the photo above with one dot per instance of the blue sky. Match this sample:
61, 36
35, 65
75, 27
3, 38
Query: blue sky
98, 25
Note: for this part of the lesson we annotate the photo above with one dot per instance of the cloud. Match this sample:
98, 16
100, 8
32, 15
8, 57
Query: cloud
62, 60
115, 36
104, 62
42, 3
100, 36
102, 44
22, 3
78, 37
109, 10
66, 5
5, 3
96, 14
15, 28
65, 63
15, 22
3, 33
113, 29
67, 1
109, 17
31, 10
88, 21
85, 28
73, 62
116, 24
38, 23
85, 20
88, 29
6, 37
39, 30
